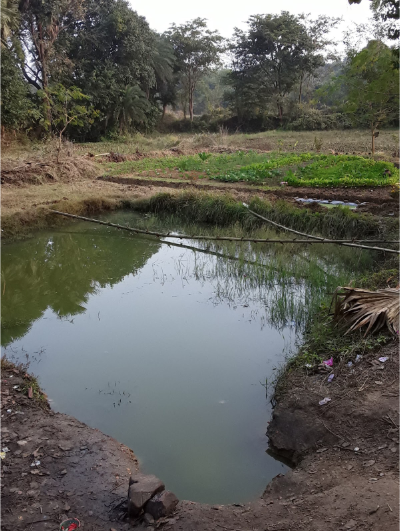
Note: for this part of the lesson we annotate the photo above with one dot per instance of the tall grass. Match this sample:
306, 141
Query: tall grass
339, 222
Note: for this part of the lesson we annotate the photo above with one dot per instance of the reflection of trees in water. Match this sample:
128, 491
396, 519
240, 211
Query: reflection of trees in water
60, 272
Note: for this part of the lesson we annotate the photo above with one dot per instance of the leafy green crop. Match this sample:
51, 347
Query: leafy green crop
258, 172
317, 171
344, 170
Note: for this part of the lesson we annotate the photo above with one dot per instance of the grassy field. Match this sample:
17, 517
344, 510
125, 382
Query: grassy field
349, 141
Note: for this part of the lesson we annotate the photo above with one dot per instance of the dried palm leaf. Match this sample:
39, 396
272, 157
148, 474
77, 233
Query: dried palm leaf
360, 307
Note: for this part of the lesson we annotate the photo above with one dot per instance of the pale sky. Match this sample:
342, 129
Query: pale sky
223, 15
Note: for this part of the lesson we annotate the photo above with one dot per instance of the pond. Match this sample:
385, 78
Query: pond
171, 351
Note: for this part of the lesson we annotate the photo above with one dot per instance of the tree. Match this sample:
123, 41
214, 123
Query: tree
197, 49
131, 108
387, 11
111, 48
9, 19
68, 106
17, 107
42, 23
275, 54
372, 85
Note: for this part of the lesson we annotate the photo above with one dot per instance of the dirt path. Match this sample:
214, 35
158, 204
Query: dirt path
84, 473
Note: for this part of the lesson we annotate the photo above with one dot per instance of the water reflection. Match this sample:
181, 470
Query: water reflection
60, 271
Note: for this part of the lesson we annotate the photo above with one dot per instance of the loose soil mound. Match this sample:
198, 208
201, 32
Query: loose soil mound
40, 171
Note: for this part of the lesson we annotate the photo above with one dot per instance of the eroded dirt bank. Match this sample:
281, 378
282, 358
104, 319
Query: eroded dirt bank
57, 466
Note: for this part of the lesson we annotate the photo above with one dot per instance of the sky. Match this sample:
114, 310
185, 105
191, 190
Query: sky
224, 15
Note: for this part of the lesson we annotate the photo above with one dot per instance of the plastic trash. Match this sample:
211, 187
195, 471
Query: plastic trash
324, 401
330, 378
2, 455
358, 358
35, 463
383, 359
70, 524
5, 449
329, 362
308, 365
349, 364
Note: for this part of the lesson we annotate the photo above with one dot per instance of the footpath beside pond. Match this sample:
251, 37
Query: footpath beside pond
55, 467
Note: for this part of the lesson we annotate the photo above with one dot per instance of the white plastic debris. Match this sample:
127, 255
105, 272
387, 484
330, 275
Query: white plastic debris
5, 449
324, 401
330, 378
383, 359
358, 358
349, 364
35, 463
356, 449
9, 410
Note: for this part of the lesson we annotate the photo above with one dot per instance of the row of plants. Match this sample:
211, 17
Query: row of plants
319, 171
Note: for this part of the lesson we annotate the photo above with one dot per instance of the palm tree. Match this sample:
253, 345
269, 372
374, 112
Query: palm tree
131, 108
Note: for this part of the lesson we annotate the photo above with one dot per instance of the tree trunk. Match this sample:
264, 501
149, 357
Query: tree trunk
191, 103
280, 112
300, 89
373, 139
59, 146
164, 110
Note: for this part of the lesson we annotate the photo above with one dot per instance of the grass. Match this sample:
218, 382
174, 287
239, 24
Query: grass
339, 222
353, 141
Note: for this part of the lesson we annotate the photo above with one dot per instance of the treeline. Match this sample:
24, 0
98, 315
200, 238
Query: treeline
92, 69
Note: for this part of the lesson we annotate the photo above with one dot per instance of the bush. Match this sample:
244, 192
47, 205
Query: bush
310, 119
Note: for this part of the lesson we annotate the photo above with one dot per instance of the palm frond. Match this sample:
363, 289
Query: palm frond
356, 308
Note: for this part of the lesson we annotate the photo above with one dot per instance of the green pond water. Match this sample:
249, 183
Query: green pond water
169, 350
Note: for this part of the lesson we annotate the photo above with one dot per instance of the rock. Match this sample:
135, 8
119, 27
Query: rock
369, 463
148, 519
162, 504
350, 524
141, 489
22, 443
63, 472
292, 433
66, 446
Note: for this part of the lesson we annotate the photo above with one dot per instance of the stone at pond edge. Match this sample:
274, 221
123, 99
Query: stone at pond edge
292, 433
162, 504
141, 489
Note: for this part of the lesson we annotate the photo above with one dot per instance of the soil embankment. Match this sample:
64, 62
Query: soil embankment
56, 466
